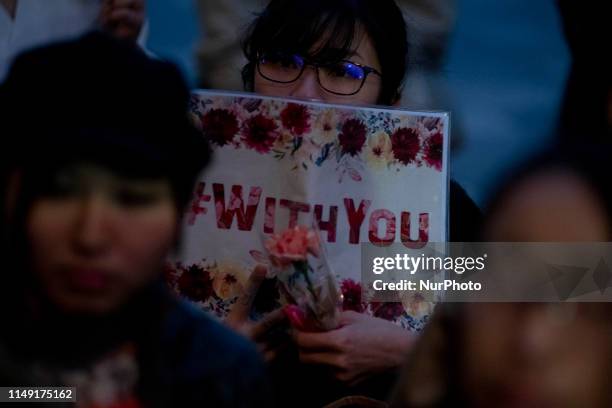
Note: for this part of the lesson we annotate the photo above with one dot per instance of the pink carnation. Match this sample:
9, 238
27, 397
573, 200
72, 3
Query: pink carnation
293, 245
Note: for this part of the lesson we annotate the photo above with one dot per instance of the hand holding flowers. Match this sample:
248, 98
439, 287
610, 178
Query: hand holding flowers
239, 319
362, 346
308, 286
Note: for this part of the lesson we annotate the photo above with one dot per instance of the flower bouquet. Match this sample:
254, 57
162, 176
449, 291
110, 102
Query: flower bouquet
306, 281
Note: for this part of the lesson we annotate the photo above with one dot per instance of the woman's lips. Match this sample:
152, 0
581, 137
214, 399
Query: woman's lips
526, 396
89, 279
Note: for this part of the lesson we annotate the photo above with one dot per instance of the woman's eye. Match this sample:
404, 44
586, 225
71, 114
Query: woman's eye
346, 70
62, 185
287, 63
283, 61
129, 198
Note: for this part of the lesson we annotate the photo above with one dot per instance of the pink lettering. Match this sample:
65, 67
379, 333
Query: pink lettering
236, 207
295, 207
269, 216
196, 209
355, 217
329, 225
375, 219
423, 231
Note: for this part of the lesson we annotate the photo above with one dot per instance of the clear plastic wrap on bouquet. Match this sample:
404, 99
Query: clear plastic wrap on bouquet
299, 262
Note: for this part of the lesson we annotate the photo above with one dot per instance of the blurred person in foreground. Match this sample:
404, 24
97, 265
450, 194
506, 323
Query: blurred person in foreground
544, 355
106, 165
28, 23
353, 53
526, 354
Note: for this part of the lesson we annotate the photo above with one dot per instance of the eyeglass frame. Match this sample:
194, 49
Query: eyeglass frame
366, 69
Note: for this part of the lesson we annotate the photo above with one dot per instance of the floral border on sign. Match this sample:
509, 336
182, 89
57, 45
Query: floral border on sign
215, 287
212, 288
314, 135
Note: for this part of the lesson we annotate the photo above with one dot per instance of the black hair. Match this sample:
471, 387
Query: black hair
98, 99
325, 30
92, 100
587, 160
95, 100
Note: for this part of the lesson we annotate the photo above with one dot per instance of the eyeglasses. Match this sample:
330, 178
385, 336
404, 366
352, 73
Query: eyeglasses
341, 78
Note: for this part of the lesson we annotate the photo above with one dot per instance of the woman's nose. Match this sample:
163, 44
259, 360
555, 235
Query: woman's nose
539, 334
307, 86
91, 234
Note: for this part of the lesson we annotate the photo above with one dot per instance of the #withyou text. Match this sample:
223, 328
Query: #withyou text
381, 223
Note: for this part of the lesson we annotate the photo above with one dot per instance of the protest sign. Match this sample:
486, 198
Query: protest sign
358, 174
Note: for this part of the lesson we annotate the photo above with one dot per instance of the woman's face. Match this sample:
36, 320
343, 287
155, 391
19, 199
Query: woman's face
307, 86
552, 206
540, 354
96, 238
537, 355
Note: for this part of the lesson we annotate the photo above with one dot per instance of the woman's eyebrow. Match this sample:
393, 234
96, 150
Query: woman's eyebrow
335, 51
354, 53
349, 53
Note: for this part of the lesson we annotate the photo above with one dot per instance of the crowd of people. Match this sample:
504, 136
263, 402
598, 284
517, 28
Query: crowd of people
99, 164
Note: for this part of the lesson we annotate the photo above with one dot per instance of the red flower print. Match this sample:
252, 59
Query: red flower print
220, 126
259, 133
387, 310
351, 296
295, 118
196, 284
431, 123
170, 274
433, 151
352, 136
230, 279
405, 145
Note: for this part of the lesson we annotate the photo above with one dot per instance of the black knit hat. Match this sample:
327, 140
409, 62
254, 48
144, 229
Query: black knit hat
100, 99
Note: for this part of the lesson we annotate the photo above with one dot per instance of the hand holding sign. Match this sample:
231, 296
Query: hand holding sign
363, 345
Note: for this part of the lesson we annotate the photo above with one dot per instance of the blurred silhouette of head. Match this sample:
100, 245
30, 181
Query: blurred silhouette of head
560, 196
105, 163
526, 354
544, 354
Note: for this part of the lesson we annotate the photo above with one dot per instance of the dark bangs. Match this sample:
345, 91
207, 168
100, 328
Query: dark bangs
325, 30
302, 28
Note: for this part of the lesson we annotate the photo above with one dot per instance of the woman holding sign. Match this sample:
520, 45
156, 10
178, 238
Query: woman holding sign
345, 52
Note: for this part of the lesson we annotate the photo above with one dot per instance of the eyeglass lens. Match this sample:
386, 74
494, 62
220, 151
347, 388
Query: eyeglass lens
343, 77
